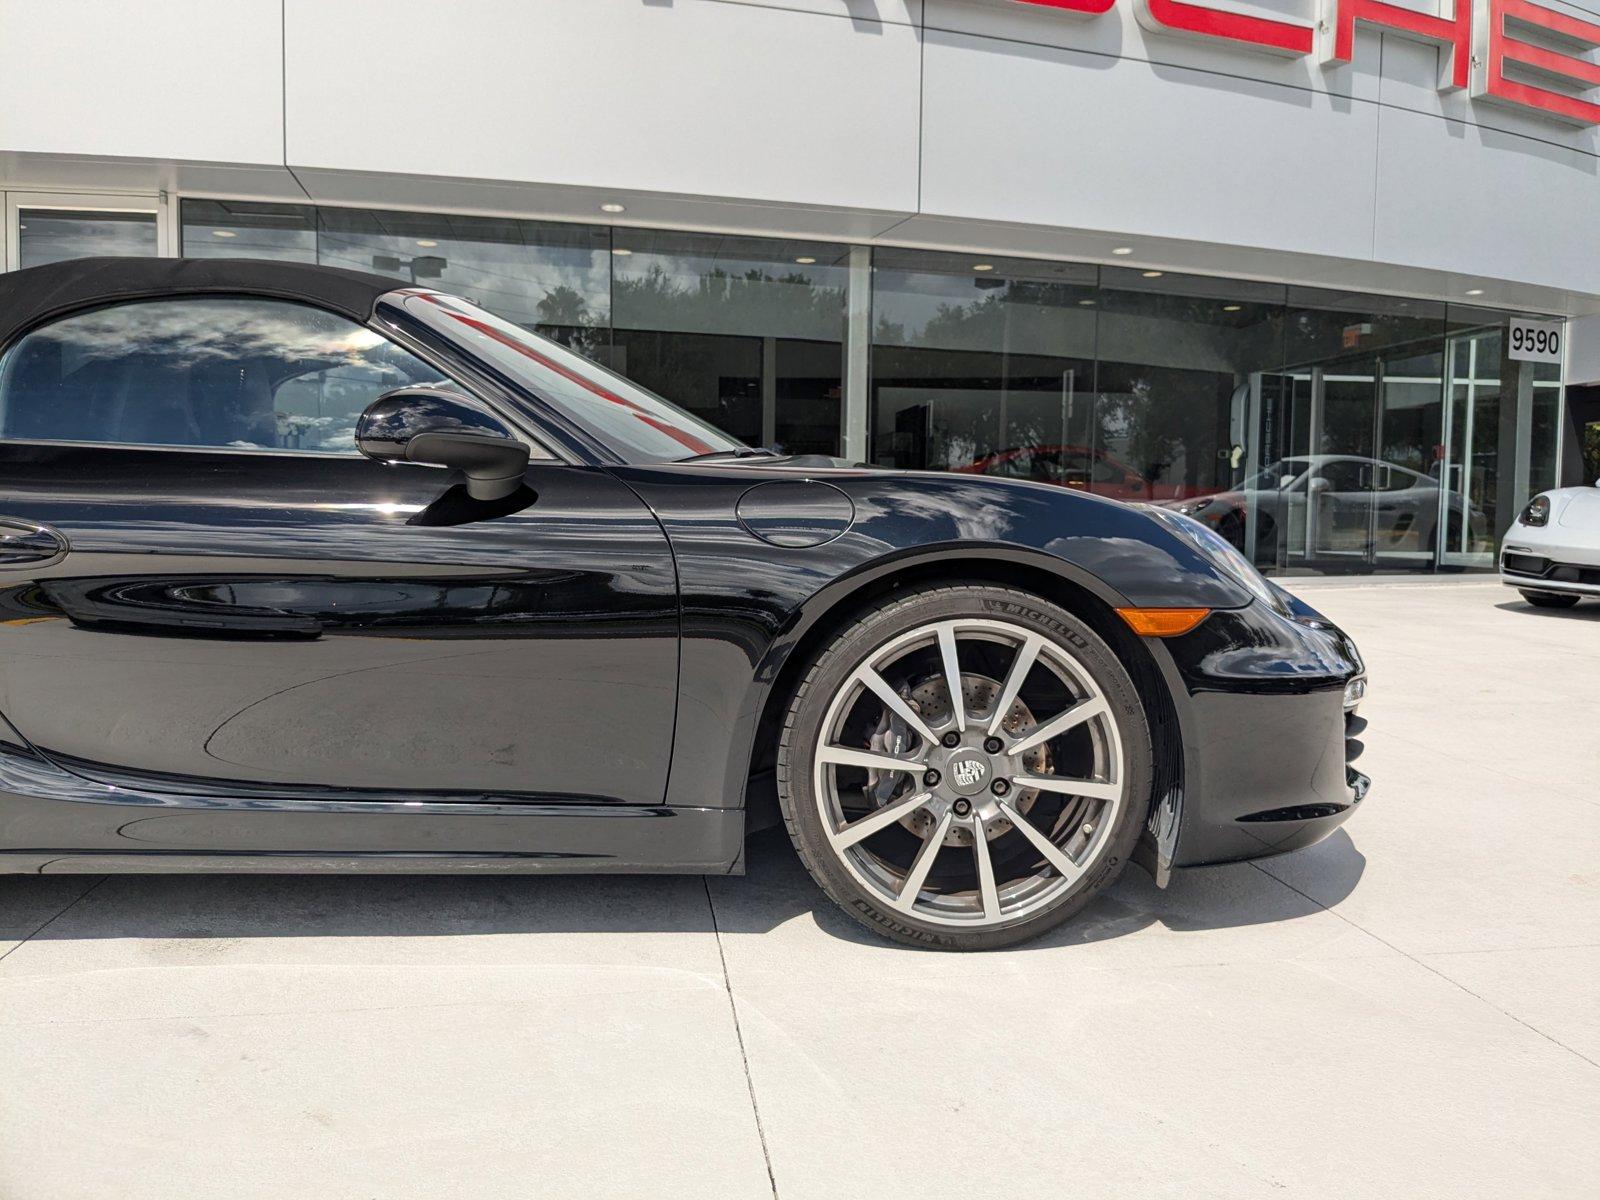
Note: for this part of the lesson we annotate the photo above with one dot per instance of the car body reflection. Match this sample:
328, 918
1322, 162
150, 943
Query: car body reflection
1337, 503
1084, 469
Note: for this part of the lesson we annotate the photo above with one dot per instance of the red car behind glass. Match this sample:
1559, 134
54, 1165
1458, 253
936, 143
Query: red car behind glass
1081, 467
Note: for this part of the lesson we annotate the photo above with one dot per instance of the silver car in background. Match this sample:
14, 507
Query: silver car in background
1552, 554
1333, 504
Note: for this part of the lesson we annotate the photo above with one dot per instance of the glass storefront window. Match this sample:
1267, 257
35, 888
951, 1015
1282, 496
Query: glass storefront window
229, 229
1364, 380
746, 333
553, 278
986, 365
47, 235
1320, 431
1544, 467
1502, 412
1183, 362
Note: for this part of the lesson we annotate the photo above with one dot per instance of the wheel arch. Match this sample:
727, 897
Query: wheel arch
1079, 592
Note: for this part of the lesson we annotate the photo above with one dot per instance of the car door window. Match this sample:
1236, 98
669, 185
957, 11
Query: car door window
1077, 469
1012, 466
1344, 474
241, 373
1106, 472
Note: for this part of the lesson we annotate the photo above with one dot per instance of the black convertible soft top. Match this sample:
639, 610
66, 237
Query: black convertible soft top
31, 296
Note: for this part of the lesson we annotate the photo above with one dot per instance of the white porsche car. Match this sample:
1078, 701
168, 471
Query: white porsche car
1552, 554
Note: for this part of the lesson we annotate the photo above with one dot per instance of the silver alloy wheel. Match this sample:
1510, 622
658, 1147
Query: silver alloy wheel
960, 766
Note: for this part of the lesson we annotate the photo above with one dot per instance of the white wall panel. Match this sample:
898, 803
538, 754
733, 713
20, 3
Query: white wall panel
688, 96
1486, 204
1410, 80
1089, 142
182, 79
1037, 133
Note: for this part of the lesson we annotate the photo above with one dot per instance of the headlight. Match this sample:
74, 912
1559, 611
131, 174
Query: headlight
1537, 513
1220, 551
1195, 506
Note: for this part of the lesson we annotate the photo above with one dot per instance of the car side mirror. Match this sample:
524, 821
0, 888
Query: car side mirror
441, 428
1319, 485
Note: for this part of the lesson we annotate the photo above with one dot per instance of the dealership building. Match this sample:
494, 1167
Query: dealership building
1324, 272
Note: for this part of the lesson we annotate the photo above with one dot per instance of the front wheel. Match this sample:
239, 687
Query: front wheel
965, 767
1549, 599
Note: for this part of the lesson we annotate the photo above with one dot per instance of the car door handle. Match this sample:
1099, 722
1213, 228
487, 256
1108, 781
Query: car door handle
27, 543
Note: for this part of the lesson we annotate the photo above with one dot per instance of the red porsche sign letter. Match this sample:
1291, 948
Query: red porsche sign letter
1556, 73
1088, 8
1176, 16
1497, 49
1339, 19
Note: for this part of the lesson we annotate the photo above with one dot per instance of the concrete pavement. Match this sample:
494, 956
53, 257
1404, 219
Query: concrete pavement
1410, 1009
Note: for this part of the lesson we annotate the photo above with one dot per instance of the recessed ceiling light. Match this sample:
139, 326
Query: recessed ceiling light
613, 208
983, 266
621, 251
1152, 274
1123, 250
1232, 307
219, 233
427, 243
1086, 303
1474, 291
805, 260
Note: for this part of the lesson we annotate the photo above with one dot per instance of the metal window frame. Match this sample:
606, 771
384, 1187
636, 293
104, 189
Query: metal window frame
157, 204
1561, 408
853, 416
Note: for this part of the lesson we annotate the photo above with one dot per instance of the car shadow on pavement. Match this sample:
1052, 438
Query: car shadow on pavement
775, 891
1584, 610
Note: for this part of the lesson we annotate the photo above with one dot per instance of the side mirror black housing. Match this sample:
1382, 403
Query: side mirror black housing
444, 429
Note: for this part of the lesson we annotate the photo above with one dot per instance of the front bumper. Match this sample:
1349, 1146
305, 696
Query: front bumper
1269, 742
1552, 558
1538, 570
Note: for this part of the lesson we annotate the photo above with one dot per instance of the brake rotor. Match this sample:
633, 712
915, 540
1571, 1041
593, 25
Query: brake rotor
930, 699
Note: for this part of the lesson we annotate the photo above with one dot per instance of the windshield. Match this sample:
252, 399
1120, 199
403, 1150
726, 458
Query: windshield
637, 424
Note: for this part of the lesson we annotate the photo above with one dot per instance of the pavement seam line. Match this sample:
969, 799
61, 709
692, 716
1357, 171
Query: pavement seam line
1456, 983
738, 1033
58, 915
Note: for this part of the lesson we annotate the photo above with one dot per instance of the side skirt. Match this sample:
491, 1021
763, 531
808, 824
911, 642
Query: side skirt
53, 821
252, 863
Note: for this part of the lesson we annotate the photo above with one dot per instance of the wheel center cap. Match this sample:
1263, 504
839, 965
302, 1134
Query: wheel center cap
968, 773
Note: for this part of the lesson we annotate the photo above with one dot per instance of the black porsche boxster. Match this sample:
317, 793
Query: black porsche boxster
303, 570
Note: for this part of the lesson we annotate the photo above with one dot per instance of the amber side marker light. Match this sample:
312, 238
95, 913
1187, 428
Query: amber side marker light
1162, 622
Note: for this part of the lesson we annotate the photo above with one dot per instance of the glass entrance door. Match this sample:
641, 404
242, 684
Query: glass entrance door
1405, 470
1338, 492
1364, 494
1469, 483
